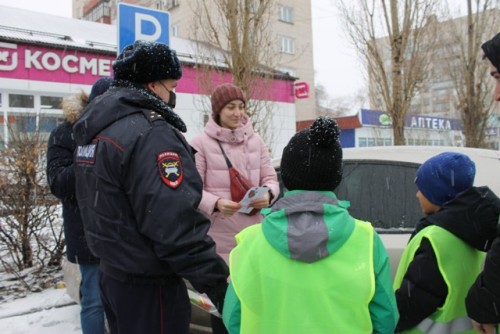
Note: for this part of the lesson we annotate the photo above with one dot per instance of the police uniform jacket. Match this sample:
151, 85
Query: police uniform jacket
138, 190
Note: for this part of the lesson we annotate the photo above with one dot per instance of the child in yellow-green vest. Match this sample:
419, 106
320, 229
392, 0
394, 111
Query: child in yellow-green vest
310, 267
445, 252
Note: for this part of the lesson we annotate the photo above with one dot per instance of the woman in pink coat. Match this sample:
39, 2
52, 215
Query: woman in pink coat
247, 152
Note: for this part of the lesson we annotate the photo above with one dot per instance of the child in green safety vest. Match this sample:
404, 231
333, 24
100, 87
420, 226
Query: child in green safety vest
446, 250
310, 267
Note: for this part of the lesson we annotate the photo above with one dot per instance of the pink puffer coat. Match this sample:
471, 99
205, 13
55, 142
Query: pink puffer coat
250, 156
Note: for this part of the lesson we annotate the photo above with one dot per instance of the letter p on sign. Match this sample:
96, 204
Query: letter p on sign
139, 23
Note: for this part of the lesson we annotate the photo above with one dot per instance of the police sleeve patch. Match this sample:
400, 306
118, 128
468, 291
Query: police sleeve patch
170, 168
86, 154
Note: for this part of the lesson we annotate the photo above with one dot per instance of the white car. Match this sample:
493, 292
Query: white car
379, 184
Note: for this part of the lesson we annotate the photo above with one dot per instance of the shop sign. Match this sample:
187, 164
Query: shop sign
22, 61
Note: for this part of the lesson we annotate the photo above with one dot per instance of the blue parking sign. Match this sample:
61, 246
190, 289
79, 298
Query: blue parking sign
135, 23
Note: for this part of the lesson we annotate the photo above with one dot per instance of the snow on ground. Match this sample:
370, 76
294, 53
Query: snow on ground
50, 311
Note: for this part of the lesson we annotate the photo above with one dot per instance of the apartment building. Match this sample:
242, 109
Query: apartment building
437, 95
290, 24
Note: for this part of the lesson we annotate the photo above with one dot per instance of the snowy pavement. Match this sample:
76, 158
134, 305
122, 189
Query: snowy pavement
51, 311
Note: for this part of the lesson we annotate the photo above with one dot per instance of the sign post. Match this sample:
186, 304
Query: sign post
139, 23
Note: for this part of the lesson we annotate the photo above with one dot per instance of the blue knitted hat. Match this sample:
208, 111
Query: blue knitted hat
445, 175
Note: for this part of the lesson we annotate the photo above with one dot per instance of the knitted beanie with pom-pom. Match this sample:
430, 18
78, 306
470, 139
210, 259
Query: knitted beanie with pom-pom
312, 159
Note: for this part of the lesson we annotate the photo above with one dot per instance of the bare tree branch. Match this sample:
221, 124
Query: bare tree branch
237, 40
398, 63
466, 69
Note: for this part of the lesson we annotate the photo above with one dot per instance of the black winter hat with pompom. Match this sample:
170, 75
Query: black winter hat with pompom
146, 61
312, 160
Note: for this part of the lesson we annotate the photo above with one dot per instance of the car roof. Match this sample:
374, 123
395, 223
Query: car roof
487, 161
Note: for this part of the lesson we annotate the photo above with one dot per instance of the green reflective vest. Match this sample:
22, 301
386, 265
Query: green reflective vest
459, 265
281, 295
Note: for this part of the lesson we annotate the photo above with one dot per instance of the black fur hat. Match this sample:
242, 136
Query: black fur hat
491, 50
146, 61
312, 160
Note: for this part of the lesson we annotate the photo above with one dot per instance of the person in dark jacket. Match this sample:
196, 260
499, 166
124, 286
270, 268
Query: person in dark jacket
138, 190
483, 299
445, 252
61, 178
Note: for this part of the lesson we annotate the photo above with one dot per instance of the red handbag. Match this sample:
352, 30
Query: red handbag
239, 184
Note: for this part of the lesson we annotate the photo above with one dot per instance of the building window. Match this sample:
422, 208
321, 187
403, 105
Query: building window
441, 107
287, 45
285, 14
107, 10
175, 30
171, 3
21, 101
99, 12
26, 123
51, 102
48, 123
368, 142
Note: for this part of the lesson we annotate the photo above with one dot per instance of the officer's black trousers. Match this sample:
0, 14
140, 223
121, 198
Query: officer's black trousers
145, 307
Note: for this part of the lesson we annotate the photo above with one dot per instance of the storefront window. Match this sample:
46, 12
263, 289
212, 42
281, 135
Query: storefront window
31, 124
48, 123
25, 123
21, 101
50, 102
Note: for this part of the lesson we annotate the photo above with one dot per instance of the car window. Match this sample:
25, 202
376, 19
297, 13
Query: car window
381, 192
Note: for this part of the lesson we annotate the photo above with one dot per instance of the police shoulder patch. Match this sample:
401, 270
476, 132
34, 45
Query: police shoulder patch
170, 168
86, 154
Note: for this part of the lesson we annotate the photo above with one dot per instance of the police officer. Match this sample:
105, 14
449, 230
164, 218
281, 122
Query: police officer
138, 190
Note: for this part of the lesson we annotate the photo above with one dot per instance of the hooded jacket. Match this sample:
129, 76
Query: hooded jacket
61, 179
250, 156
303, 256
483, 299
139, 190
469, 217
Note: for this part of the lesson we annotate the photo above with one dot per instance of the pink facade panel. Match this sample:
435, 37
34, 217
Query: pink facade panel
38, 63
193, 82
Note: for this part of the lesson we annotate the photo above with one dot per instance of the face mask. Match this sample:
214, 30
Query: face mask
171, 99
